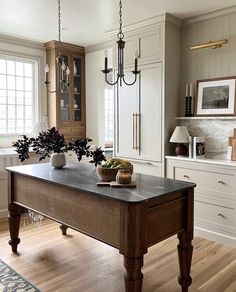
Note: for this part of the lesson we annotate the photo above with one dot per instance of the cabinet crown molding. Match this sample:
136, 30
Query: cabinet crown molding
65, 46
165, 17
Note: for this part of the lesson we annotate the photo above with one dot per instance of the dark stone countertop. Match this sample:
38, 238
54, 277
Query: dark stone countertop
84, 177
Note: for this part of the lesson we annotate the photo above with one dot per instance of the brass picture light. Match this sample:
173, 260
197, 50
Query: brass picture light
210, 44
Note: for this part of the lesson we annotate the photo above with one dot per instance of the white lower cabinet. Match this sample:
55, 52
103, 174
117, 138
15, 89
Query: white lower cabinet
10, 158
215, 195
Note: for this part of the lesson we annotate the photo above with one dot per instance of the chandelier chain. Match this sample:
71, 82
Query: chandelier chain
120, 34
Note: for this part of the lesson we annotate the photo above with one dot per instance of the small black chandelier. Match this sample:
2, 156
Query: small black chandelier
120, 46
63, 70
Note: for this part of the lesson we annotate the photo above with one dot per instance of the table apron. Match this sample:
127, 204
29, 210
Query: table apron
94, 215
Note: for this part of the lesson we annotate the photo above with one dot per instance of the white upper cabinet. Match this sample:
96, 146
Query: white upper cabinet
151, 44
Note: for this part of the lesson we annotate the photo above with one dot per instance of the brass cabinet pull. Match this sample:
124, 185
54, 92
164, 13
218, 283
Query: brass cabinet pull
133, 131
186, 176
221, 215
136, 131
221, 182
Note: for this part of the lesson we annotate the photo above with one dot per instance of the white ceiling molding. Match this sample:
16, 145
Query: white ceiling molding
210, 15
21, 42
98, 47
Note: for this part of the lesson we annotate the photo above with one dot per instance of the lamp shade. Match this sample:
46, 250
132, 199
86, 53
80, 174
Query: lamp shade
180, 135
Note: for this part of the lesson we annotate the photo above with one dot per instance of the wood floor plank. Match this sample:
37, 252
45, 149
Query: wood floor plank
77, 263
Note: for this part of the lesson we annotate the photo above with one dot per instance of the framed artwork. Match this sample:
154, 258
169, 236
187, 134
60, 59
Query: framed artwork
215, 97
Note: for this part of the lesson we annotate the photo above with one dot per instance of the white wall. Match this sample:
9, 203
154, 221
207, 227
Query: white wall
208, 63
28, 49
95, 87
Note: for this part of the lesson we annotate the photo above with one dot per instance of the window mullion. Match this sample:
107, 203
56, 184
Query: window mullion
7, 96
15, 101
24, 98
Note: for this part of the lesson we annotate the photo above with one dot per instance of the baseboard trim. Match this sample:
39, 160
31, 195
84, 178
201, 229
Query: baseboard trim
215, 236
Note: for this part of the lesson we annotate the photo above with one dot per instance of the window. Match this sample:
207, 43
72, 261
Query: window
109, 116
17, 95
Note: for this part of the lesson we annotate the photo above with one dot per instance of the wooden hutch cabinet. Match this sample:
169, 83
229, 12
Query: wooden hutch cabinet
66, 107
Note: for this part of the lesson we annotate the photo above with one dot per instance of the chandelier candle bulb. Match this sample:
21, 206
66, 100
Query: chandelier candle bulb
191, 89
186, 90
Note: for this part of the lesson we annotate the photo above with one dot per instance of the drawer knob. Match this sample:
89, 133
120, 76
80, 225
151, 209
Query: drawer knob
186, 176
221, 182
221, 215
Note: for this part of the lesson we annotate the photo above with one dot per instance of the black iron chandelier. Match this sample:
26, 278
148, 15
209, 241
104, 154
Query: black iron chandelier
120, 46
63, 70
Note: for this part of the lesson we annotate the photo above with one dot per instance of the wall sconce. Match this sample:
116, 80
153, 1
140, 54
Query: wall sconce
210, 44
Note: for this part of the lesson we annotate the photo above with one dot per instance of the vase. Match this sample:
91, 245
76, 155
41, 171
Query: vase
58, 160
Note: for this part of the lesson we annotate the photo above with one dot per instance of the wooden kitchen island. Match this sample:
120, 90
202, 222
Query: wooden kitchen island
130, 220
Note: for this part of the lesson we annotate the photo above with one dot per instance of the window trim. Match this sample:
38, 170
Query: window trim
36, 105
108, 143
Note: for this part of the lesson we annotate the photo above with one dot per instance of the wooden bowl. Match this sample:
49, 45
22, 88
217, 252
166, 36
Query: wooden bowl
109, 174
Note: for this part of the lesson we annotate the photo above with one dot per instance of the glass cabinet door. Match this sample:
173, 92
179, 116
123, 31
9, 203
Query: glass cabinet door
77, 94
64, 103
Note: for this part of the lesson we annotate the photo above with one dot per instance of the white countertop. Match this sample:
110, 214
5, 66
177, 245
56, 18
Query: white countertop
205, 160
8, 151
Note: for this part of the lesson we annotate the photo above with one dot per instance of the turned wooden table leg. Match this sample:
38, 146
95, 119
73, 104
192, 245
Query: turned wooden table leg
14, 225
185, 251
63, 229
133, 276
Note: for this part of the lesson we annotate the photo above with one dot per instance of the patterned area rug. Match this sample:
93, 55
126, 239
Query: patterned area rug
11, 281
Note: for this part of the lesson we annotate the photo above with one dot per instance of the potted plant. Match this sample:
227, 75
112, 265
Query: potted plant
52, 144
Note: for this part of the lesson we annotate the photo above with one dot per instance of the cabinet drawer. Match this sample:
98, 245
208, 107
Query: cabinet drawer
206, 180
215, 218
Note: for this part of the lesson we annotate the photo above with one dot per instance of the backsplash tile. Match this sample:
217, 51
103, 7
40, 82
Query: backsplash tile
216, 133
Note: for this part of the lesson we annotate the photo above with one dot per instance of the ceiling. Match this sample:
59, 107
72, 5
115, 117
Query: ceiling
85, 22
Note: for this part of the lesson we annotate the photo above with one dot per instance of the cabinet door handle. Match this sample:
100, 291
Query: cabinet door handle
186, 176
221, 215
133, 131
221, 182
138, 131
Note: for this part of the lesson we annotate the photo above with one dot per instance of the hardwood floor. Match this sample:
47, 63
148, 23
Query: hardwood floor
78, 263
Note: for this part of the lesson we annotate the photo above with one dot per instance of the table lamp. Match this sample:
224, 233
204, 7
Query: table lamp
181, 137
